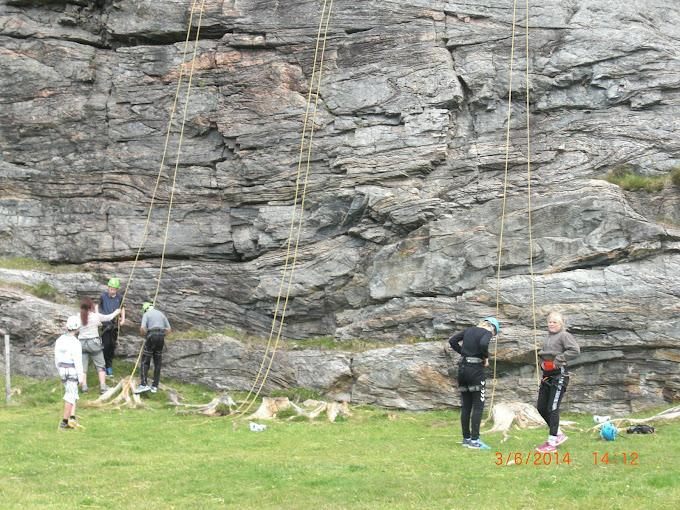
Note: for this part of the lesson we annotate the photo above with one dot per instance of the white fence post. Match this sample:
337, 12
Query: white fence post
8, 389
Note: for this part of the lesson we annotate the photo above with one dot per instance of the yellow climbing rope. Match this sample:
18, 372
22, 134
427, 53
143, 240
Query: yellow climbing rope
162, 164
260, 378
505, 189
179, 148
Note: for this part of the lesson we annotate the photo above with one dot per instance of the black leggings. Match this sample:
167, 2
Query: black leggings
109, 339
550, 396
153, 348
472, 395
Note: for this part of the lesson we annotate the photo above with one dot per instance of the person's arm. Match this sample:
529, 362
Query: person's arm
142, 328
455, 340
56, 353
167, 325
570, 349
484, 345
78, 361
108, 317
122, 315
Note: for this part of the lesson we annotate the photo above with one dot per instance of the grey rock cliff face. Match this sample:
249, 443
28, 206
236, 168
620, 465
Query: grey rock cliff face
402, 216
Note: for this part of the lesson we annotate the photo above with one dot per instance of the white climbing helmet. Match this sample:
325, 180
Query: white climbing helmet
73, 323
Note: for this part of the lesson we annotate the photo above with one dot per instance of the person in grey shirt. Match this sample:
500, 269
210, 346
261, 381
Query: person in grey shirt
154, 327
558, 349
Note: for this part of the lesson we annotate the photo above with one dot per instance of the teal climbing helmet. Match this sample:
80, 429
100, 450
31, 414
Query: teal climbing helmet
494, 322
608, 431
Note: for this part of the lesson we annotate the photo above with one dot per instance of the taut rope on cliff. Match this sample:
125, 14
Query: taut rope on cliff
125, 388
300, 193
261, 378
505, 190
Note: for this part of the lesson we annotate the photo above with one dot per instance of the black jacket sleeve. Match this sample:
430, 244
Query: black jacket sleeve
455, 340
484, 344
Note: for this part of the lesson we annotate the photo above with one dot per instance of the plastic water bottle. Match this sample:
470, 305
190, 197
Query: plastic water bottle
256, 427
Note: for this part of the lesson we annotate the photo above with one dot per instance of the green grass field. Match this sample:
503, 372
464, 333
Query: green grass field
156, 458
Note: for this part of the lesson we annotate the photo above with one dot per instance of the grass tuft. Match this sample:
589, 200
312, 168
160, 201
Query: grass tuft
321, 343
42, 290
297, 394
28, 264
286, 413
626, 178
675, 176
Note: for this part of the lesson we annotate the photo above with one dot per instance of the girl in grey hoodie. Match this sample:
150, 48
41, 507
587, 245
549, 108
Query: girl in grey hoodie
558, 348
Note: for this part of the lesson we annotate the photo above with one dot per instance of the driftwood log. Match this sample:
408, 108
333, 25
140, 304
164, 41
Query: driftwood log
122, 394
310, 409
672, 413
522, 415
219, 406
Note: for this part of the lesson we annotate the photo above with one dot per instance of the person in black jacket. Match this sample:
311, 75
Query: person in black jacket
473, 346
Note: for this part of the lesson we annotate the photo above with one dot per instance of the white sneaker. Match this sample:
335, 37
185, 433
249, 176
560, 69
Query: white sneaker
141, 389
561, 438
153, 389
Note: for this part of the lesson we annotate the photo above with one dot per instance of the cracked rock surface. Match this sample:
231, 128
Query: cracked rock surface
403, 208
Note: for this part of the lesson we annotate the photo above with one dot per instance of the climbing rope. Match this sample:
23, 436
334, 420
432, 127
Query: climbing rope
162, 164
179, 150
504, 201
505, 190
261, 379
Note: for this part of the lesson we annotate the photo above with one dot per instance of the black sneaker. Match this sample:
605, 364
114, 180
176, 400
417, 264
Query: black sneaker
64, 425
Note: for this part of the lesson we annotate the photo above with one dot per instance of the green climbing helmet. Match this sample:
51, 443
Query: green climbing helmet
494, 322
146, 306
114, 282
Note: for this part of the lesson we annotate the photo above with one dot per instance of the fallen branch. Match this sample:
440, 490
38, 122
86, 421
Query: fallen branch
310, 414
672, 413
219, 406
310, 409
123, 393
335, 409
270, 407
524, 416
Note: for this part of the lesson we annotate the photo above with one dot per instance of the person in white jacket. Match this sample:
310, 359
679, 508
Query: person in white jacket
68, 360
90, 341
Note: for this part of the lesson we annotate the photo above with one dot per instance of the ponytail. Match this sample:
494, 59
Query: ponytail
86, 306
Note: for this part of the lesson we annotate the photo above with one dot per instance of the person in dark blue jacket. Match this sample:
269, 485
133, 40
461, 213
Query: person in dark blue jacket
473, 346
110, 301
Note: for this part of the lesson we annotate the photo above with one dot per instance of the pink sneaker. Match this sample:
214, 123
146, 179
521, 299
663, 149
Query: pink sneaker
561, 438
546, 448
